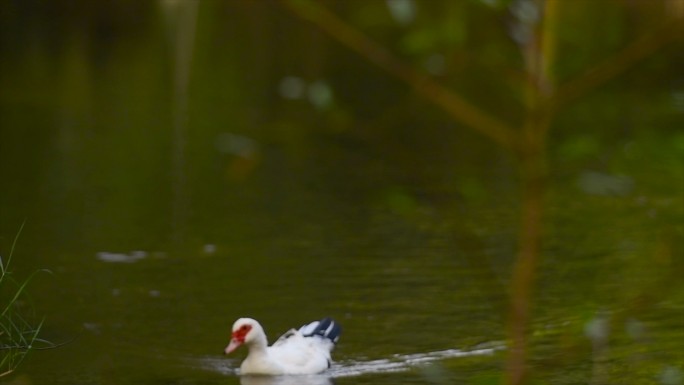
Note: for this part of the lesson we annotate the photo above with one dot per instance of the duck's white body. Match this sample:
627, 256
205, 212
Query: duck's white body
303, 351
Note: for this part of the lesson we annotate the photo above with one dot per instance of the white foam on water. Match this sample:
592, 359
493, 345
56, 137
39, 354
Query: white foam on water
403, 362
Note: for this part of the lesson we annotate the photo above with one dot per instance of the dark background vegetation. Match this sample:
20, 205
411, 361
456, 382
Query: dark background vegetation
539, 141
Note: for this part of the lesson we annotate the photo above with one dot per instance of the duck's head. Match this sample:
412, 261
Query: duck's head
245, 331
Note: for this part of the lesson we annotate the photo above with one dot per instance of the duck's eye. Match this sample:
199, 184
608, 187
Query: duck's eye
244, 327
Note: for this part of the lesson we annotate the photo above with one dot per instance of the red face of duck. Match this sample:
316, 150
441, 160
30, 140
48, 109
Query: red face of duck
238, 337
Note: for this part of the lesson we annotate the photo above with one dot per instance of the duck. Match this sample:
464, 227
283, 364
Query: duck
306, 350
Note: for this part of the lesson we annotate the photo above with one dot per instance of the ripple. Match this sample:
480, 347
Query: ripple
404, 362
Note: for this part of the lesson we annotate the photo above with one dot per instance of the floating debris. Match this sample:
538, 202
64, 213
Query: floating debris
134, 256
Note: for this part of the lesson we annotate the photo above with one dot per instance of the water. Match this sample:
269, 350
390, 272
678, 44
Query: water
427, 309
154, 314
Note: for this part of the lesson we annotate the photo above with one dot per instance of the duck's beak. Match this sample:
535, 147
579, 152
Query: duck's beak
234, 344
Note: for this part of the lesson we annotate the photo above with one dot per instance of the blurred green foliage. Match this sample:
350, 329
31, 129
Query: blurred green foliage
285, 125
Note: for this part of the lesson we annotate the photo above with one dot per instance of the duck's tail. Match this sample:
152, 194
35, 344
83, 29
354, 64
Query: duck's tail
326, 328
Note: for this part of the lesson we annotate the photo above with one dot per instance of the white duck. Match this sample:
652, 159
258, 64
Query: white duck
303, 351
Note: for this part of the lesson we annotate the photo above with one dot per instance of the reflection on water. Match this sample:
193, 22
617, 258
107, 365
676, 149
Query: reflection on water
286, 380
